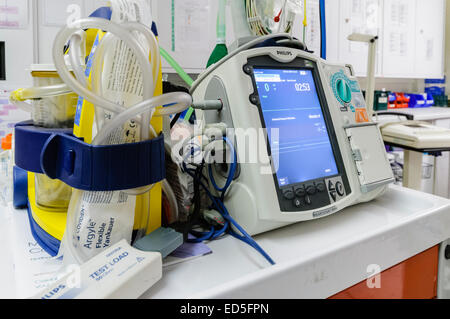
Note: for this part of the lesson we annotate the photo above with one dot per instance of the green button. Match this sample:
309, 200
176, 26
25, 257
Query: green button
343, 90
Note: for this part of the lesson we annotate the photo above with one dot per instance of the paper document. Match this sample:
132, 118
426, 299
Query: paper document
14, 14
34, 269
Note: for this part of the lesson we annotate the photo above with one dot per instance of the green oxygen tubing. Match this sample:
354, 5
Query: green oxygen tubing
186, 78
218, 53
221, 50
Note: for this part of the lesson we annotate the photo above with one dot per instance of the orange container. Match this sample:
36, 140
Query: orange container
402, 101
6, 142
415, 278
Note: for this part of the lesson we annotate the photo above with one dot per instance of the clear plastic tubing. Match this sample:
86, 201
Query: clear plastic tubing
95, 23
24, 106
181, 101
75, 55
19, 96
171, 197
154, 51
45, 91
96, 78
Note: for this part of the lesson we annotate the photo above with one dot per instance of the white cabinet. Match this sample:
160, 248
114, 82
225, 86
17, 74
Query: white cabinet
358, 16
187, 30
411, 36
18, 52
399, 38
52, 16
429, 38
332, 29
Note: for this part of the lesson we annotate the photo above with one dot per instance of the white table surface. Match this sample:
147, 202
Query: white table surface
315, 259
7, 282
424, 113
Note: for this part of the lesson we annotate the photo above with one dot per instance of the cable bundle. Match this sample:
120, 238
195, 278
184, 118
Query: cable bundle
256, 23
229, 226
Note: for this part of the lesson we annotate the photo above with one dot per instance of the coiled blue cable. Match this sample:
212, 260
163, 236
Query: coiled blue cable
218, 203
201, 236
230, 174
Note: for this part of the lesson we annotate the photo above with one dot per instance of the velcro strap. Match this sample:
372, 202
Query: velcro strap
60, 155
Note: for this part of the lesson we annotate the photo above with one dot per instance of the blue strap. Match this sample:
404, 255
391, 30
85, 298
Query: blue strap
20, 192
60, 155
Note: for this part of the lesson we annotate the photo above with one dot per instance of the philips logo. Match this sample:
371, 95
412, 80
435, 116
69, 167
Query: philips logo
325, 212
285, 53
53, 292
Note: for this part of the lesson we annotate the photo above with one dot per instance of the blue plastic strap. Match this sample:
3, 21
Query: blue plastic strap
20, 192
60, 155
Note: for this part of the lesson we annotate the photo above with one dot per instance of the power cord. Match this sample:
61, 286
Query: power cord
220, 207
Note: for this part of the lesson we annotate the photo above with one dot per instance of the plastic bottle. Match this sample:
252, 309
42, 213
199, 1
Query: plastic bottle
6, 170
53, 105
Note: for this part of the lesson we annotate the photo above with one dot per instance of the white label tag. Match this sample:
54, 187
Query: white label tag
103, 219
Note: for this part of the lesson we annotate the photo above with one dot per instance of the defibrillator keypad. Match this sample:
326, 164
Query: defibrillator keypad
312, 195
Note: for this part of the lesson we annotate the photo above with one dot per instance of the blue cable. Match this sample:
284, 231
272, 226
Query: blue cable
218, 203
230, 174
211, 235
246, 237
221, 232
201, 236
323, 30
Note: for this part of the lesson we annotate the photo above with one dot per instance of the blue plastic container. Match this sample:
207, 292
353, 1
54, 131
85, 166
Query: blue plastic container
417, 100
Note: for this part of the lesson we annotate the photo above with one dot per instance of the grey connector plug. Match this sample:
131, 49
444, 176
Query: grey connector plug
213, 217
208, 105
162, 240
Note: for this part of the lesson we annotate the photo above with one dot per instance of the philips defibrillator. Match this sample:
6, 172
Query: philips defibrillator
321, 152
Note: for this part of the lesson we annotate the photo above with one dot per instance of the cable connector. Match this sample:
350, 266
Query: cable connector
213, 217
17, 95
216, 131
162, 240
208, 105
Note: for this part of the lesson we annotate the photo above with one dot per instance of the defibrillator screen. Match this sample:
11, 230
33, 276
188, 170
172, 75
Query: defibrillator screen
297, 132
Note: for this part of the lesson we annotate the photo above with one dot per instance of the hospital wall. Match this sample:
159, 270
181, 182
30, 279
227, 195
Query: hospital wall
447, 47
19, 48
33, 44
48, 26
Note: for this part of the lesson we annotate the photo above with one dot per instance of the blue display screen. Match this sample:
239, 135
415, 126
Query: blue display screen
290, 103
